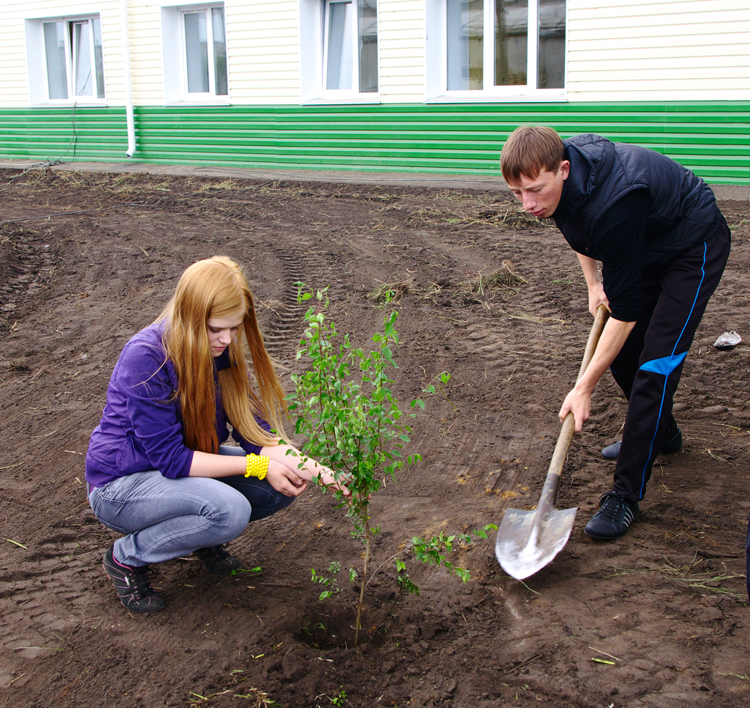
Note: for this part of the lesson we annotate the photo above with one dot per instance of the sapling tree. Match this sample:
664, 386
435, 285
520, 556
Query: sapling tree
346, 410
352, 423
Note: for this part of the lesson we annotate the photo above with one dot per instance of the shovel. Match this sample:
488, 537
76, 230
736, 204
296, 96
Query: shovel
529, 540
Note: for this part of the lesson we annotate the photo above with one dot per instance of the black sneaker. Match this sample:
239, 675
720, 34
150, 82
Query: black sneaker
613, 518
217, 560
669, 446
132, 585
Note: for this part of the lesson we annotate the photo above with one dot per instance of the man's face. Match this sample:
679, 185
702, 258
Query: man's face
541, 195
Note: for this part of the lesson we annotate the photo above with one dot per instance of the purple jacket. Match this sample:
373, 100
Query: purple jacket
141, 427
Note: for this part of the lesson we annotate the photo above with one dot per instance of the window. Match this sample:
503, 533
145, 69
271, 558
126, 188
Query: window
339, 49
65, 58
205, 59
195, 53
499, 47
351, 46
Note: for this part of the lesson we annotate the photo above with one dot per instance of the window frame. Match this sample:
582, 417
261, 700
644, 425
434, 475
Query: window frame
436, 60
314, 45
38, 66
174, 44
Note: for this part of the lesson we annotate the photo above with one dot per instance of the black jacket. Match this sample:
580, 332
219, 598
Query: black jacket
632, 209
683, 209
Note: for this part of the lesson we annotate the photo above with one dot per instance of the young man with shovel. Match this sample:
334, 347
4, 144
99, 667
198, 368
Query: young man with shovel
663, 245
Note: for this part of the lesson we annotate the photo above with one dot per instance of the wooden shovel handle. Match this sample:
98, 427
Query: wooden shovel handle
549, 492
602, 315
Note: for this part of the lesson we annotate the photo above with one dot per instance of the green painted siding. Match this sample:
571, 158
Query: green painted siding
712, 139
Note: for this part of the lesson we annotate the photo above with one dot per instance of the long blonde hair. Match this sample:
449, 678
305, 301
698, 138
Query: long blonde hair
216, 288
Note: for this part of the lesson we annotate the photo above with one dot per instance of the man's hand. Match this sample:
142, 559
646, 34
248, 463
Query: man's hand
577, 402
594, 285
597, 297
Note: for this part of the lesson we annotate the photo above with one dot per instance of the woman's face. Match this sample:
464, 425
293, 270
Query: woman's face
222, 330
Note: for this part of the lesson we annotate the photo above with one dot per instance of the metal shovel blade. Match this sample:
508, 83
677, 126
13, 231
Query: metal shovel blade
518, 547
529, 540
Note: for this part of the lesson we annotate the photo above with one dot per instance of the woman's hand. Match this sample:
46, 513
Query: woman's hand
327, 479
284, 480
302, 466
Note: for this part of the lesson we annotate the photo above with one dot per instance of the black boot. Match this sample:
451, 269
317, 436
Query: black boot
671, 443
217, 560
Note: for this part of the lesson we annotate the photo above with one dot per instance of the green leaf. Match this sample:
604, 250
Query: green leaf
388, 354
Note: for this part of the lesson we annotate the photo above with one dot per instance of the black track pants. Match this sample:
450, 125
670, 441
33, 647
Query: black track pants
649, 365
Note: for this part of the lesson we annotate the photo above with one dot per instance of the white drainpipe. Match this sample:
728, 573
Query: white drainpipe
128, 81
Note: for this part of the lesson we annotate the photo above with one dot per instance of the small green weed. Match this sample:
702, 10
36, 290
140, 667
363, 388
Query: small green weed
328, 581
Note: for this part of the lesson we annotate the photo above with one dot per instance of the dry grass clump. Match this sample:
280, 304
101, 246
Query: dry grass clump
225, 185
513, 216
391, 292
434, 216
505, 278
704, 581
509, 216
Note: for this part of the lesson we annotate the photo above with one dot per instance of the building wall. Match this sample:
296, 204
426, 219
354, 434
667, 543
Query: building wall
263, 51
669, 74
401, 36
640, 50
711, 139
665, 50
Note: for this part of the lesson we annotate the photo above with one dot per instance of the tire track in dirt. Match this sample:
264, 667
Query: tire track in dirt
30, 622
26, 268
284, 327
54, 566
59, 565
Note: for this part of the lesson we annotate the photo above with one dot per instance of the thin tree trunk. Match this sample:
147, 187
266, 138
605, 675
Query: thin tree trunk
364, 580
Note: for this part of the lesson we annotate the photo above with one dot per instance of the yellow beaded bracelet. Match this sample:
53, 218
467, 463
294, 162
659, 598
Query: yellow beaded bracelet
257, 466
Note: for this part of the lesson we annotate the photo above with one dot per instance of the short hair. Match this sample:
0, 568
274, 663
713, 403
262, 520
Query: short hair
528, 150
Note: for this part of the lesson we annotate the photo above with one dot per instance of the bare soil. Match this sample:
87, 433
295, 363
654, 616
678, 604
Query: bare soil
657, 618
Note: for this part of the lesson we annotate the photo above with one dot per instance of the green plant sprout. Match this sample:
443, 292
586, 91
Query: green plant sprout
340, 700
329, 582
347, 412
433, 552
258, 570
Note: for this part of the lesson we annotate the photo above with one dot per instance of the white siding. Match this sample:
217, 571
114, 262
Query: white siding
658, 50
401, 43
263, 51
146, 63
14, 85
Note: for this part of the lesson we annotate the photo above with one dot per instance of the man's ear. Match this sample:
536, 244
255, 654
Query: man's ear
565, 169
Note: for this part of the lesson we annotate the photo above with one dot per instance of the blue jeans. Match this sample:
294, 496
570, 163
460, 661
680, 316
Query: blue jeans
169, 518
